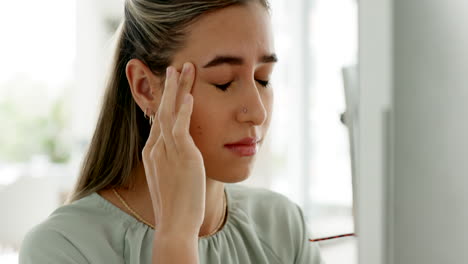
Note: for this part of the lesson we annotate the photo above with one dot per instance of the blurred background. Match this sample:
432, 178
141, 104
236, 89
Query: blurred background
54, 58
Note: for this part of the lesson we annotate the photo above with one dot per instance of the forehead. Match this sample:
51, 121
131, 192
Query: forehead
242, 30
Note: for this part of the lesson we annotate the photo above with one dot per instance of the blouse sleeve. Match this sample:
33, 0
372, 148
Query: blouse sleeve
309, 252
48, 246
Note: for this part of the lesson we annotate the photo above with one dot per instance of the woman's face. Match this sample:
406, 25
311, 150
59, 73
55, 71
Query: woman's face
242, 33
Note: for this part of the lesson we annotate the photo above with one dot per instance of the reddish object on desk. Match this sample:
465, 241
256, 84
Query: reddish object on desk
332, 237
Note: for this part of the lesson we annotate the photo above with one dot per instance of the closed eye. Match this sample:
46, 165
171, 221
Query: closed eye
263, 83
225, 86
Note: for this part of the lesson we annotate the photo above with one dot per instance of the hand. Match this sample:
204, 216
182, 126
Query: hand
173, 164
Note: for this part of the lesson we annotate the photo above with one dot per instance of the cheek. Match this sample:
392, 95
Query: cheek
268, 100
203, 120
196, 120
207, 132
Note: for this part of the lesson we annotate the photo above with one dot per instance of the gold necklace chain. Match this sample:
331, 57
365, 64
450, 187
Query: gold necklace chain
153, 227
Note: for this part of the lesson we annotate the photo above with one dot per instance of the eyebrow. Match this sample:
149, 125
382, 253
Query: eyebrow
233, 60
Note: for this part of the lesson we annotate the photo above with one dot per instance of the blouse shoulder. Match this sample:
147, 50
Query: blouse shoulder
45, 244
64, 236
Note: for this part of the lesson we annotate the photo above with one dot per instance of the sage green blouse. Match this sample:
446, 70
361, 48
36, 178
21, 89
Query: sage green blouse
262, 226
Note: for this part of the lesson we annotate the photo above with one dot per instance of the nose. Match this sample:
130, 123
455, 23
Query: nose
252, 100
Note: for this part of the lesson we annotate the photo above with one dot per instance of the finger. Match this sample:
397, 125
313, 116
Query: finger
152, 177
154, 133
185, 81
182, 137
166, 115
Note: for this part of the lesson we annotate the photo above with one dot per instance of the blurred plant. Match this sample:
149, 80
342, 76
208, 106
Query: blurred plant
32, 122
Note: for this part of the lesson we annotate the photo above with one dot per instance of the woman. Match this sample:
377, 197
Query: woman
159, 190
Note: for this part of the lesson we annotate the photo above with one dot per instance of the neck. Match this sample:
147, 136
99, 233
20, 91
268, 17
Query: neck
140, 200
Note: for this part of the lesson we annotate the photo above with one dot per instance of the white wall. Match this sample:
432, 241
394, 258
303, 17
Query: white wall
375, 83
431, 131
412, 184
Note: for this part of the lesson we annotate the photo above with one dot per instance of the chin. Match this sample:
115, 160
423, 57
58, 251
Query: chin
232, 177
235, 179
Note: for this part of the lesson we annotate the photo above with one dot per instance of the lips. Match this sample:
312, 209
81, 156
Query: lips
249, 141
243, 150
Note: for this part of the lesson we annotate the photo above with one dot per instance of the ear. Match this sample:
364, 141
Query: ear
145, 86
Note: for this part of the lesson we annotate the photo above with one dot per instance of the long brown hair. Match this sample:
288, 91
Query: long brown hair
152, 31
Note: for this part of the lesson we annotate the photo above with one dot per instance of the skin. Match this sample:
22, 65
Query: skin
217, 118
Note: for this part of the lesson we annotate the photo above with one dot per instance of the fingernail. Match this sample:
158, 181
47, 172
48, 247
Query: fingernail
186, 99
168, 71
185, 68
